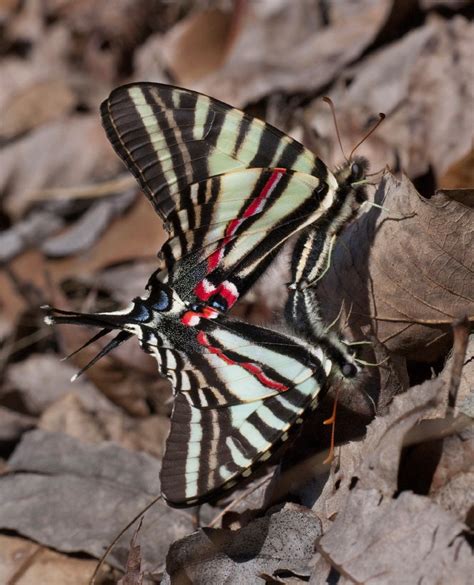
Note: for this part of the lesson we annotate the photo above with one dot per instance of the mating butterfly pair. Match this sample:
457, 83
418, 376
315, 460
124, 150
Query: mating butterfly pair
231, 191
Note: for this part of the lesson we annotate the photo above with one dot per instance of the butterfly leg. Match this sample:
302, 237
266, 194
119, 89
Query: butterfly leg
332, 421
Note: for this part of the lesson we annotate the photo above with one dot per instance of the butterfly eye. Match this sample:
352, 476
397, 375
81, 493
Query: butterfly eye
356, 171
349, 370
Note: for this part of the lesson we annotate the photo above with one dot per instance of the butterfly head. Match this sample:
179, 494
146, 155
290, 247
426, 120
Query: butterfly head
352, 177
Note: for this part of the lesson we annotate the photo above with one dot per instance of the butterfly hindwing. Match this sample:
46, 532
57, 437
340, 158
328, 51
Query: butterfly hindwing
236, 399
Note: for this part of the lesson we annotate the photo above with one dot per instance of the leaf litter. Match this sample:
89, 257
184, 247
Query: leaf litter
79, 461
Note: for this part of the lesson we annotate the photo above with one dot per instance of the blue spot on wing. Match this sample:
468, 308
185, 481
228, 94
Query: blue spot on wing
141, 313
162, 303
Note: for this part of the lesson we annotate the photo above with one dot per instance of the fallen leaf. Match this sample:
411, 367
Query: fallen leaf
70, 416
13, 425
133, 573
123, 282
36, 105
41, 380
23, 562
199, 44
422, 83
452, 482
7, 8
460, 175
81, 154
405, 270
137, 234
376, 458
451, 4
75, 497
34, 229
390, 541
283, 540
277, 36
88, 229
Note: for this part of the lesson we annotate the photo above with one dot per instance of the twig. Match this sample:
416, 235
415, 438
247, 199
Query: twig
25, 565
119, 184
119, 535
461, 339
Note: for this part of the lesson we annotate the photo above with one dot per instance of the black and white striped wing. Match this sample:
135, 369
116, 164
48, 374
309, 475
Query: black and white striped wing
170, 138
231, 188
239, 388
237, 399
226, 234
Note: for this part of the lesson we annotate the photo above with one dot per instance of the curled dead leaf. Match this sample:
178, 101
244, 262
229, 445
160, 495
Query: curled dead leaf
282, 541
405, 270
391, 541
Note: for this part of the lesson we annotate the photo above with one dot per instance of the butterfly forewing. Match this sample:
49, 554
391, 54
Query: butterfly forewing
231, 188
171, 137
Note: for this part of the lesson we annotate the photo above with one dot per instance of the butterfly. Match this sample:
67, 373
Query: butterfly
231, 190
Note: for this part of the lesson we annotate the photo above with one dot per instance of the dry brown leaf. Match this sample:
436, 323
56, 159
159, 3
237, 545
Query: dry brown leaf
286, 47
123, 282
62, 153
37, 104
282, 541
138, 234
41, 380
13, 425
199, 44
423, 83
27, 25
76, 497
451, 4
127, 387
7, 8
452, 482
34, 229
70, 416
88, 229
408, 267
460, 175
23, 562
133, 573
388, 541
374, 461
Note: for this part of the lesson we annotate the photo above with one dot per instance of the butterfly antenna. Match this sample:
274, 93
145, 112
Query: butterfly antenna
329, 101
113, 343
93, 339
369, 133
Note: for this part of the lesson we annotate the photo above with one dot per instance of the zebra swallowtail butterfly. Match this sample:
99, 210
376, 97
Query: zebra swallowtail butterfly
231, 191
